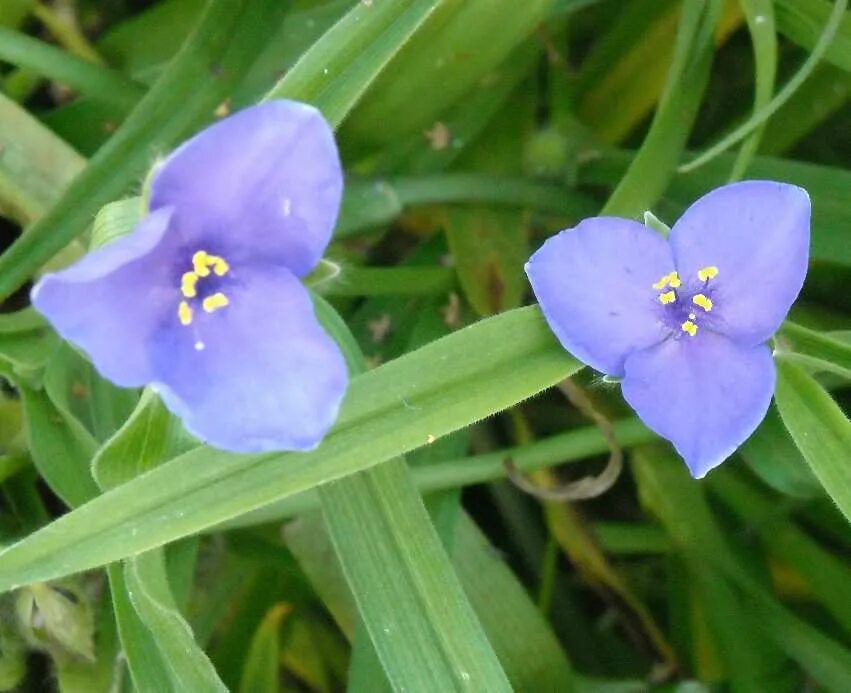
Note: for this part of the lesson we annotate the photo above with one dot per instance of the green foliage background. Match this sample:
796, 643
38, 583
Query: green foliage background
471, 130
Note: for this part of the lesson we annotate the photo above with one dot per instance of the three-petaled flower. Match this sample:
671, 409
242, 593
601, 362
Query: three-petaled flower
203, 299
685, 321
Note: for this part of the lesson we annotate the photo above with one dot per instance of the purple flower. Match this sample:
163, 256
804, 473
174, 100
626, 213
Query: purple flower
685, 321
203, 299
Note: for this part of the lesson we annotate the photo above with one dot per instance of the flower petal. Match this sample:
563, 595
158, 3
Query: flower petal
757, 233
705, 394
259, 374
595, 286
262, 184
112, 300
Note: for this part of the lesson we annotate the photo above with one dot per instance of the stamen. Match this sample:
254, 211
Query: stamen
707, 273
219, 265
668, 297
689, 327
200, 262
214, 302
703, 301
672, 280
188, 284
184, 313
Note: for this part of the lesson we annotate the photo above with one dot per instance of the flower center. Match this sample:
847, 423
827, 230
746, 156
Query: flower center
203, 265
680, 305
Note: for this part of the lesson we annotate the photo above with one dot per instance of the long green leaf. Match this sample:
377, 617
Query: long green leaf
423, 629
36, 165
55, 64
820, 430
760, 19
147, 585
654, 163
335, 72
395, 408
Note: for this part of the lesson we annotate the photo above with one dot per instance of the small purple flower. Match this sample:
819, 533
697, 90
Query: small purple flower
685, 321
203, 299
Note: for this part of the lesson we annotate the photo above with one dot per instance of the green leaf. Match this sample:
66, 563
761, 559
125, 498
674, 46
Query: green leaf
820, 430
58, 65
455, 472
803, 21
627, 64
76, 388
144, 659
261, 673
760, 18
526, 647
26, 344
395, 408
115, 220
423, 629
814, 349
773, 456
60, 446
653, 166
666, 488
395, 567
36, 165
489, 247
147, 585
459, 44
371, 203
824, 572
149, 437
338, 68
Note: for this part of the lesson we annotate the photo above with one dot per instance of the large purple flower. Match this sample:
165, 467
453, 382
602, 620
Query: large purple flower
685, 321
203, 299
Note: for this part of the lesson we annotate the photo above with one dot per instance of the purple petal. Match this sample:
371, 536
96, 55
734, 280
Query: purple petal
595, 286
705, 394
259, 374
262, 184
111, 302
757, 233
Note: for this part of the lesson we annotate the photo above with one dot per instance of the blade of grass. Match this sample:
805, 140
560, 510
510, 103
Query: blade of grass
388, 411
819, 428
335, 72
760, 19
653, 165
82, 75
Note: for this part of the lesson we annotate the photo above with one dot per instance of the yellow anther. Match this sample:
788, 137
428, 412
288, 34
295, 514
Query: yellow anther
214, 302
200, 263
219, 265
690, 327
707, 273
668, 297
184, 313
188, 284
672, 280
703, 301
